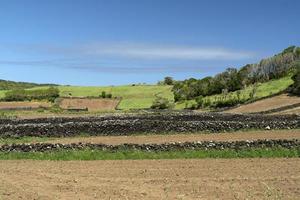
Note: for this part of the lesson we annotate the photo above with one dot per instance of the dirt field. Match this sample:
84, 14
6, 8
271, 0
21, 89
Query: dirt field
289, 111
141, 139
19, 105
151, 179
266, 104
92, 104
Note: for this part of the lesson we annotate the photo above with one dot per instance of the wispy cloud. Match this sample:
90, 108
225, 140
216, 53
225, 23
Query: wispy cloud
125, 57
142, 51
139, 51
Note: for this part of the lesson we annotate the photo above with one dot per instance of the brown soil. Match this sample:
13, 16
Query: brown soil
289, 111
142, 139
266, 104
25, 104
96, 104
151, 179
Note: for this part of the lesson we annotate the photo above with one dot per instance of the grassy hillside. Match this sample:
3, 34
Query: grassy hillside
12, 85
263, 90
142, 96
134, 97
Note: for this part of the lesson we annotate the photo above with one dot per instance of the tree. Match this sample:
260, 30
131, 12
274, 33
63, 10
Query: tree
168, 80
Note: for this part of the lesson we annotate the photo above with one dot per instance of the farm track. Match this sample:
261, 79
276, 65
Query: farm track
159, 139
151, 179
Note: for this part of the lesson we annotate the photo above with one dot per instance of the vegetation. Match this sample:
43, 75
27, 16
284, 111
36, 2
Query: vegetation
250, 93
126, 154
161, 103
49, 94
11, 85
106, 95
295, 88
133, 97
232, 79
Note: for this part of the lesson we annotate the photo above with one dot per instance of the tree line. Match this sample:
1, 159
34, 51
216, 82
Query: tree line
233, 79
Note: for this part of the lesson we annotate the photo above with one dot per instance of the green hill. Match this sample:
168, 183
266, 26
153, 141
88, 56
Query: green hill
12, 85
262, 90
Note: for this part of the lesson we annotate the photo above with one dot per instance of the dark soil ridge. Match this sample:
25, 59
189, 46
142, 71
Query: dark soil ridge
203, 145
167, 116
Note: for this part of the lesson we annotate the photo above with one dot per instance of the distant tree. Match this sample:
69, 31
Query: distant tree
168, 80
103, 94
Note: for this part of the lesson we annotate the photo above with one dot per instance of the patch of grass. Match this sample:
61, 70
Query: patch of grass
138, 155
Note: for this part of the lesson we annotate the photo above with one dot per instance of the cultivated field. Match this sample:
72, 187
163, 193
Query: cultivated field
158, 139
151, 179
159, 155
267, 104
92, 104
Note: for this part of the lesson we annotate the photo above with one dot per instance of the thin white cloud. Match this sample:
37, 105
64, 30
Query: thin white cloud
139, 51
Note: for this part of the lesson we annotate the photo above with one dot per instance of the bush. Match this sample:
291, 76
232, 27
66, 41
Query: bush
109, 96
103, 94
161, 103
199, 101
49, 94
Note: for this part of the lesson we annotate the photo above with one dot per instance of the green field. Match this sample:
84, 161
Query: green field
137, 155
263, 90
133, 97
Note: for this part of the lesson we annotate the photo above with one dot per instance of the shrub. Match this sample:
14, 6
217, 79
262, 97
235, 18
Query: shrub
161, 103
103, 94
295, 88
199, 101
109, 95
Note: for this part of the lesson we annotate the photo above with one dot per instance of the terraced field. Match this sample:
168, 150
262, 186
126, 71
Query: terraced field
126, 157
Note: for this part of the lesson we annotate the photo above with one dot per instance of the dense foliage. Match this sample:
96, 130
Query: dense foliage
233, 79
295, 89
11, 85
49, 94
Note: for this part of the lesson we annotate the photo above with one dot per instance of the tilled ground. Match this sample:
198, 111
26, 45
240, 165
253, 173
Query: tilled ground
158, 139
151, 179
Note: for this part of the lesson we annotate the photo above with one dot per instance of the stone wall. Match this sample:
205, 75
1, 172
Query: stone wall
150, 123
206, 145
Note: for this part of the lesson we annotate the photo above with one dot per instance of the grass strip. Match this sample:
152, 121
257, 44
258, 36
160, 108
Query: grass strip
89, 154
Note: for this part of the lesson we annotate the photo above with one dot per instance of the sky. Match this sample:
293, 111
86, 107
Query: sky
117, 42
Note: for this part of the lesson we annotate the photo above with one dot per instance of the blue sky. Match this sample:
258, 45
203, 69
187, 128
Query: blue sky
86, 42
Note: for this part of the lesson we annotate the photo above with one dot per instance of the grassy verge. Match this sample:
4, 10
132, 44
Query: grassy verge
138, 155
